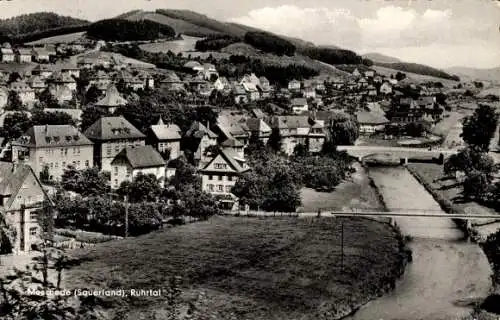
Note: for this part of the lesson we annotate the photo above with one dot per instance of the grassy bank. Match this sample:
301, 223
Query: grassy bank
254, 268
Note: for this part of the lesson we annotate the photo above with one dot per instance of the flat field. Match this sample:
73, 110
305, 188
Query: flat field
248, 268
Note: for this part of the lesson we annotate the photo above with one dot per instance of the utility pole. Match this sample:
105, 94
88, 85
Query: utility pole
342, 245
126, 216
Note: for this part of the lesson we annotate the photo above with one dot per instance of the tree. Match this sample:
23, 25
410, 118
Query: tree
300, 150
400, 76
41, 118
344, 129
144, 187
255, 145
87, 182
185, 177
479, 128
476, 185
274, 141
282, 194
91, 115
92, 95
47, 100
15, 125
14, 102
468, 160
13, 77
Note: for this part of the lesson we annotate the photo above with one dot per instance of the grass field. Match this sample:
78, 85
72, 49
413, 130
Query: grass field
176, 46
65, 38
417, 78
249, 267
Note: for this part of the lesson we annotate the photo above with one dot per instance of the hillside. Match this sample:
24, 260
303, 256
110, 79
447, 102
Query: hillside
378, 57
492, 74
417, 69
180, 26
414, 77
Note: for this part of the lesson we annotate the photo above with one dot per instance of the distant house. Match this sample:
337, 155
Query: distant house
378, 79
209, 71
69, 70
40, 55
251, 90
53, 148
294, 85
101, 80
386, 88
7, 54
265, 88
222, 84
43, 71
405, 111
132, 161
371, 121
147, 78
299, 105
111, 101
232, 131
356, 73
24, 91
62, 80
62, 94
198, 138
172, 82
239, 93
294, 130
369, 74
258, 128
4, 97
220, 174
23, 55
131, 81
234, 146
165, 137
23, 201
362, 83
37, 83
250, 78
110, 136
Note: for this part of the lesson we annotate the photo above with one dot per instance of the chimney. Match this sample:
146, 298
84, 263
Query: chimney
208, 125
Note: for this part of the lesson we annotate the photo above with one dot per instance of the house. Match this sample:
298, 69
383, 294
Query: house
251, 90
294, 85
52, 148
62, 94
7, 53
239, 93
24, 91
371, 121
111, 101
37, 83
220, 174
369, 74
85, 63
59, 79
42, 70
250, 78
316, 137
299, 105
309, 91
172, 82
111, 135
228, 130
405, 111
386, 88
356, 73
70, 70
209, 71
234, 146
40, 55
23, 55
362, 83
198, 138
378, 79
265, 88
258, 128
258, 113
222, 84
23, 203
144, 76
101, 80
132, 161
294, 130
165, 138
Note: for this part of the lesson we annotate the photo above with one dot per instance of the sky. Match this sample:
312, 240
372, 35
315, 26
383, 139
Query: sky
440, 33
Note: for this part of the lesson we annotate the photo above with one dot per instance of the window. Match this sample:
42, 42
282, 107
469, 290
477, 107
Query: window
116, 171
220, 166
230, 178
33, 215
228, 189
78, 163
220, 188
62, 151
129, 172
117, 148
33, 231
220, 178
66, 151
211, 187
79, 150
210, 177
108, 150
116, 182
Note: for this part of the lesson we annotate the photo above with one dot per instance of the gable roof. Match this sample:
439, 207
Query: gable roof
166, 131
290, 122
113, 128
12, 179
198, 130
230, 158
112, 98
52, 136
255, 124
140, 157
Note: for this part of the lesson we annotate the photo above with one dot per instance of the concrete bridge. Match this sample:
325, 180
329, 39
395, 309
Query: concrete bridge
404, 153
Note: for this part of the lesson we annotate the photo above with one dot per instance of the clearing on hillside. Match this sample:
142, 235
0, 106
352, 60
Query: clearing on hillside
268, 269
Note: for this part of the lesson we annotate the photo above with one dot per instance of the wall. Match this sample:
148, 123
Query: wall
108, 150
58, 159
224, 182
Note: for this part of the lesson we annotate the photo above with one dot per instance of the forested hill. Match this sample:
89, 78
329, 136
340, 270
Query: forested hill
36, 22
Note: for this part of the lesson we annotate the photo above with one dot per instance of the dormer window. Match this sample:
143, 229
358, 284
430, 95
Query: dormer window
127, 130
76, 137
48, 139
68, 138
56, 139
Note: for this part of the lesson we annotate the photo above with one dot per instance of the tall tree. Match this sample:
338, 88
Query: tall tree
479, 128
15, 125
87, 182
144, 187
14, 102
89, 116
274, 141
40, 118
344, 129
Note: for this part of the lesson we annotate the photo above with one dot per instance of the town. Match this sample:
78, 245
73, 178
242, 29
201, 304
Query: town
113, 148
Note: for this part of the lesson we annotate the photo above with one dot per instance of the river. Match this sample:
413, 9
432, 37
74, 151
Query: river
447, 273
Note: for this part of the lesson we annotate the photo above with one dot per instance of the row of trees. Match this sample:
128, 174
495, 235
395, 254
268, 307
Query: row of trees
215, 42
269, 43
333, 56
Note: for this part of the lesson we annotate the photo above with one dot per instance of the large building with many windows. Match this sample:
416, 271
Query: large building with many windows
52, 148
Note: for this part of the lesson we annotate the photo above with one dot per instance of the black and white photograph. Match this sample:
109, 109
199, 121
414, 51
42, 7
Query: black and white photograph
250, 160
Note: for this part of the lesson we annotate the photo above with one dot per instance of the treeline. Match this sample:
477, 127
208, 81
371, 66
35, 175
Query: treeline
269, 43
419, 69
332, 56
44, 34
124, 30
238, 66
215, 42
35, 23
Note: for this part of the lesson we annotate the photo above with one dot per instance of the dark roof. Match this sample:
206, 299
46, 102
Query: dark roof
52, 136
11, 180
166, 131
290, 122
140, 157
113, 128
112, 98
258, 113
198, 130
259, 125
231, 143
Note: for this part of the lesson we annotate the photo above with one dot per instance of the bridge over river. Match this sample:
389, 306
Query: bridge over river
361, 152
